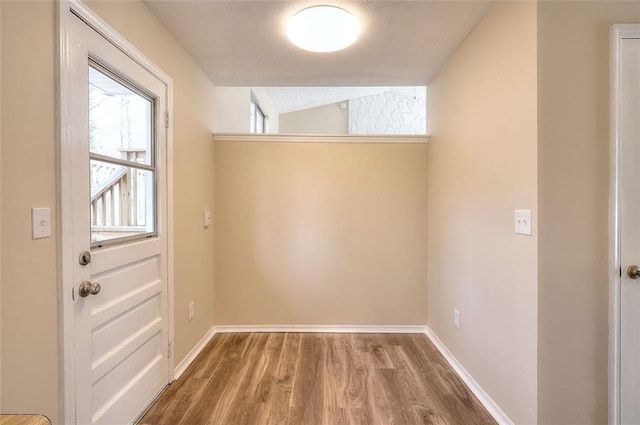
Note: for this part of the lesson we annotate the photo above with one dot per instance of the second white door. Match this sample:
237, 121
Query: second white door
629, 122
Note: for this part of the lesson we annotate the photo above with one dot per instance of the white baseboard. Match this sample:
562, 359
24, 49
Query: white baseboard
484, 398
410, 329
189, 358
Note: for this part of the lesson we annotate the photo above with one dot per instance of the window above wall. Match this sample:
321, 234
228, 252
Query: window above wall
258, 117
388, 110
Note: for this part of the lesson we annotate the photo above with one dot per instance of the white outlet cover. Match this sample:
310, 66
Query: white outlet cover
456, 319
206, 219
523, 222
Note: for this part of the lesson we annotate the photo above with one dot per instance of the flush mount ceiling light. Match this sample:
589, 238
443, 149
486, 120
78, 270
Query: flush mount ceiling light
323, 29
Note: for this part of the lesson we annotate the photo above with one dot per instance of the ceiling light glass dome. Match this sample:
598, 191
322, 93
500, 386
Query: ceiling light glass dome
323, 29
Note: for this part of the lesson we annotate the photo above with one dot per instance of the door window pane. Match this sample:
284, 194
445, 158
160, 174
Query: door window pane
121, 155
122, 201
120, 119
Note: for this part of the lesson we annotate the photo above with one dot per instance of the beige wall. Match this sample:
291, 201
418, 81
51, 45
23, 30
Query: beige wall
232, 109
29, 284
320, 234
482, 166
573, 150
29, 267
327, 119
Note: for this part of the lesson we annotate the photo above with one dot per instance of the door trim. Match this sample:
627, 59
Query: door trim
618, 33
66, 283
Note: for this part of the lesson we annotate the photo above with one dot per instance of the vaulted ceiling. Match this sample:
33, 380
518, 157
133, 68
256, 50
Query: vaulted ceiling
244, 43
290, 99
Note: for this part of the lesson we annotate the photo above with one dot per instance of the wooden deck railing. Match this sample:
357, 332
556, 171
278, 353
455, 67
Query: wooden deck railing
117, 205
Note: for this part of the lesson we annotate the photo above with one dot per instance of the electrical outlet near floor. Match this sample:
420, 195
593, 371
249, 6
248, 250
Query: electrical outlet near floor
192, 311
456, 318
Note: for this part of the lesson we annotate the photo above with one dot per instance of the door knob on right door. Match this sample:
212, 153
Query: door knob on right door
633, 272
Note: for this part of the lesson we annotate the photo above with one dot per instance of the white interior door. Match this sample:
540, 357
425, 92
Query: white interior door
629, 122
118, 166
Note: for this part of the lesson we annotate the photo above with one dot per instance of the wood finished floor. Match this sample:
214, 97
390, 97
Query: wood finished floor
318, 379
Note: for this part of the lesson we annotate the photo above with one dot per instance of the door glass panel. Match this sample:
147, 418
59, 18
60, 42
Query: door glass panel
120, 119
121, 155
122, 201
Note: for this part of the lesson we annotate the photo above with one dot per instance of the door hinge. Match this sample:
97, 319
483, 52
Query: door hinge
73, 293
169, 348
166, 119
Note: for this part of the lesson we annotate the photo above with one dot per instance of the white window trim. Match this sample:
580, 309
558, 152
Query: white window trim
265, 117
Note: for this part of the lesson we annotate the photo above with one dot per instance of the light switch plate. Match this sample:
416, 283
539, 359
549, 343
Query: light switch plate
523, 222
40, 223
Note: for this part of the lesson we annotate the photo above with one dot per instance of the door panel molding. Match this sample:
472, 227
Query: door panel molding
619, 32
68, 10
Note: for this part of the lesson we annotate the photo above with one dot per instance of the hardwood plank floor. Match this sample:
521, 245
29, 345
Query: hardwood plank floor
318, 379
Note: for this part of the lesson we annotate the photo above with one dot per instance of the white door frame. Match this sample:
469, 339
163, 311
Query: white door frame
66, 254
618, 33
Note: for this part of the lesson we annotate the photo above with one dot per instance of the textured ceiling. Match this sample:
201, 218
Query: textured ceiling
289, 99
244, 43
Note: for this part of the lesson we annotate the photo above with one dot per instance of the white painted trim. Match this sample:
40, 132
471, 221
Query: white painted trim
66, 382
618, 33
66, 269
492, 407
614, 238
318, 138
189, 358
170, 233
105, 30
409, 329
